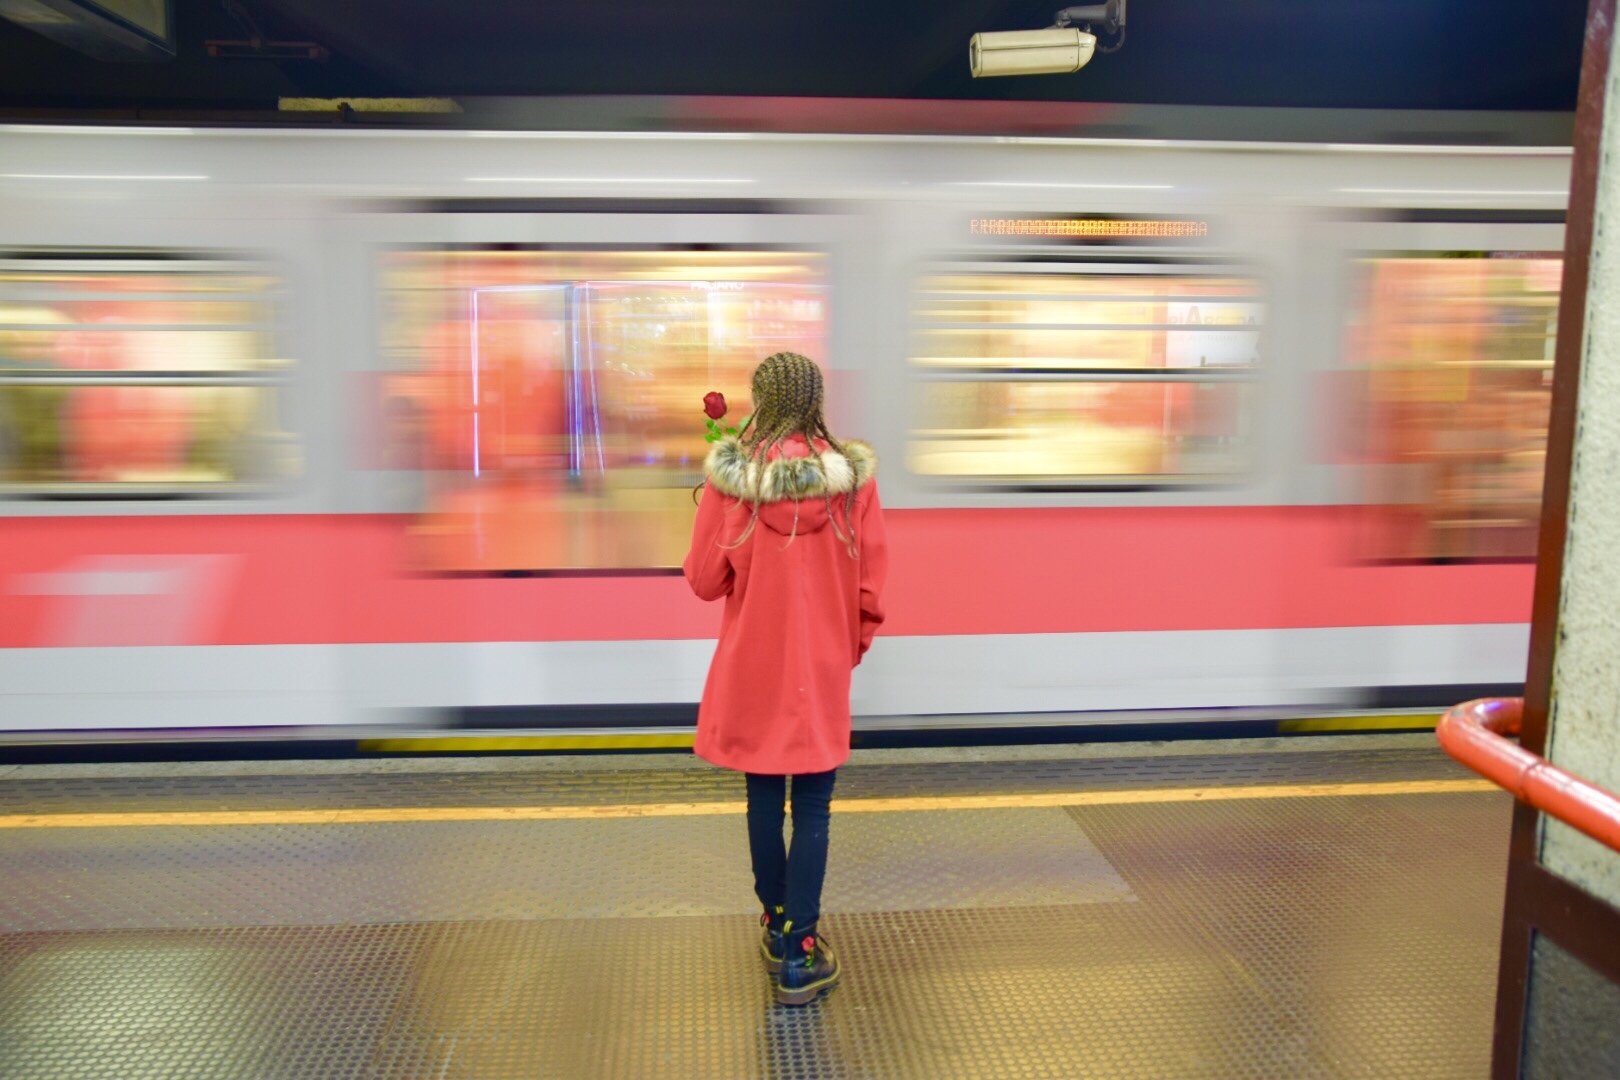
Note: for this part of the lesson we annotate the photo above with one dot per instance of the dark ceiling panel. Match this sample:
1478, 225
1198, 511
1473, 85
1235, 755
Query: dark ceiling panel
1435, 54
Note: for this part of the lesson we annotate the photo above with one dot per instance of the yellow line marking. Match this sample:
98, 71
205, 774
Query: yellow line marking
377, 815
491, 744
496, 743
1411, 722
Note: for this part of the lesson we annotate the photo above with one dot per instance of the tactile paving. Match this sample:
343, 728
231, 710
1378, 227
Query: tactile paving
201, 1004
285, 875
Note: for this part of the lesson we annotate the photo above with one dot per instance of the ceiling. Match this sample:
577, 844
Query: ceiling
1372, 54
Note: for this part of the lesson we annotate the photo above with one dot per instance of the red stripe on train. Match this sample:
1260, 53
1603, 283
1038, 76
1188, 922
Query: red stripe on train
338, 578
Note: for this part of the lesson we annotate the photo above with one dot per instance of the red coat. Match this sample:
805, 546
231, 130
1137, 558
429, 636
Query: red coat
800, 611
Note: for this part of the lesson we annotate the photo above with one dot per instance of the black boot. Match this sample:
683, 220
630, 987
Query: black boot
809, 968
770, 939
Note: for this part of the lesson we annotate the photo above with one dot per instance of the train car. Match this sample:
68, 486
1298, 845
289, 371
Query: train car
338, 432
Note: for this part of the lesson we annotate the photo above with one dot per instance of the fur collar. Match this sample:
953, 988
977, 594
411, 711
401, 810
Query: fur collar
732, 472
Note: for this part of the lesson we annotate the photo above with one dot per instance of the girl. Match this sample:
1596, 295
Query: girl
789, 531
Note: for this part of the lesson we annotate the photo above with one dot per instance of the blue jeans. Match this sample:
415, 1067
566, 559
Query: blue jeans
792, 877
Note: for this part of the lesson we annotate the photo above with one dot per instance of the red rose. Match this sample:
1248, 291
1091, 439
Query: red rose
714, 403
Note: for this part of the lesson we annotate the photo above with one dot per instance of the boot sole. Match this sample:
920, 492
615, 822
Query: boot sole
773, 964
804, 995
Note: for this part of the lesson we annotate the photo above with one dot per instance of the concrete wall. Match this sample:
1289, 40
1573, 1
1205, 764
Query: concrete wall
1584, 734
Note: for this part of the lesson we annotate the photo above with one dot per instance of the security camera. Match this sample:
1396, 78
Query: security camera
1058, 50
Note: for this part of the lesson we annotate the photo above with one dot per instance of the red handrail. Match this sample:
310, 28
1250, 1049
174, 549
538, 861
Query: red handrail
1476, 733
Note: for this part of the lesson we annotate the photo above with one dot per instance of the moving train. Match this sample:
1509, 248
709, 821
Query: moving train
315, 430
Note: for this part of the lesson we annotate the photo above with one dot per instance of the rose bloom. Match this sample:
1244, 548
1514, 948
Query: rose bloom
714, 403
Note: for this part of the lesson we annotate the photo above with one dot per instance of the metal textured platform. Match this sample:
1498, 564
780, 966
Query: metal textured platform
1313, 927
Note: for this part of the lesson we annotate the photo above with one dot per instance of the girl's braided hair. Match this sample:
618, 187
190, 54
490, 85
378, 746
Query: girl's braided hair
789, 394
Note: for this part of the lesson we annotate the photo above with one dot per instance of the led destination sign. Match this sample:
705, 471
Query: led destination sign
1090, 228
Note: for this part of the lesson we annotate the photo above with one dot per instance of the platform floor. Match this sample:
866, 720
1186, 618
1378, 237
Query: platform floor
1318, 908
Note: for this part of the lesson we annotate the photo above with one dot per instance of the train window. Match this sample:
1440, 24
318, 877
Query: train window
1452, 359
554, 397
1093, 379
1074, 433
125, 376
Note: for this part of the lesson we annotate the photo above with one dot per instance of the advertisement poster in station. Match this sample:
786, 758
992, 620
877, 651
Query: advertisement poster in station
1208, 335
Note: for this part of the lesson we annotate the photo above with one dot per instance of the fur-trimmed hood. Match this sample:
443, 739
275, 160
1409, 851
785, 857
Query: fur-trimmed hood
795, 486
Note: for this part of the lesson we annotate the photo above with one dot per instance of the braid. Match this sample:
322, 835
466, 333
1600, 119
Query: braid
789, 396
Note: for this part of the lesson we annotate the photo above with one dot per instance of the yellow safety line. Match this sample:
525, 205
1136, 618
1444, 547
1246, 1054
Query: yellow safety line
490, 744
366, 816
1412, 722
682, 740
495, 743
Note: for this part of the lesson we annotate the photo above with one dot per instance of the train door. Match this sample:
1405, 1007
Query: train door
535, 387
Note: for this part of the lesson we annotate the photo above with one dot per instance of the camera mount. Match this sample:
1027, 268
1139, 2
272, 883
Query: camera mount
1109, 18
